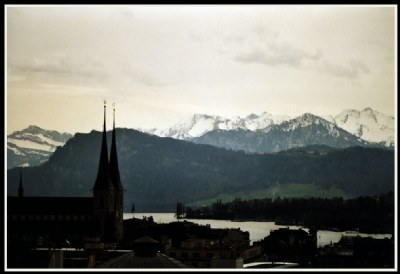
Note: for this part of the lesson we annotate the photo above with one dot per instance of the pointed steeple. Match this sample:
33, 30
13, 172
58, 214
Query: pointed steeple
103, 180
20, 188
114, 168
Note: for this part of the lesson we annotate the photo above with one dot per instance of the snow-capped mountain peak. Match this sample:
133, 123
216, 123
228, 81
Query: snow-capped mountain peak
252, 116
33, 145
368, 124
305, 120
264, 121
200, 124
35, 137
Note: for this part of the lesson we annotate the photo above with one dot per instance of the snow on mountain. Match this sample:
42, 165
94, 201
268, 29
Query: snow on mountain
200, 124
308, 119
305, 130
368, 124
33, 146
329, 118
301, 121
36, 138
254, 122
45, 146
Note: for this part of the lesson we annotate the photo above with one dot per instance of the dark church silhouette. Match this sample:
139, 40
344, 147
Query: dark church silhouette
88, 222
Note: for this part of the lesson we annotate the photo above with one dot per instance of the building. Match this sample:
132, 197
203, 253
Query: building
130, 260
145, 255
204, 247
81, 222
197, 246
291, 245
357, 251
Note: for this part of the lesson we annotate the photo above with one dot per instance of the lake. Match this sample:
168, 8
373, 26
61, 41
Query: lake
257, 230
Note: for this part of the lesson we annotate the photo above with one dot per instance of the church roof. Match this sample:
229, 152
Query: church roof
146, 239
129, 260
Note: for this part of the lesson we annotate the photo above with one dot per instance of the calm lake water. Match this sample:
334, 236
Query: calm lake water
257, 230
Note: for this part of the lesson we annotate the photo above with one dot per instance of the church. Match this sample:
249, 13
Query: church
80, 222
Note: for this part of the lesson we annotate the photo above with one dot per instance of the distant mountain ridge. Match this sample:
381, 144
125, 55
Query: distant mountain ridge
304, 130
200, 124
271, 133
33, 146
253, 133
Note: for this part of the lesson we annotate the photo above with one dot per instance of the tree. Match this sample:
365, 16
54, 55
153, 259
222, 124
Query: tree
133, 208
180, 210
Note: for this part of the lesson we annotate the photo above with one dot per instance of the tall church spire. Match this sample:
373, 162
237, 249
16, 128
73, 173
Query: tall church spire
114, 168
20, 188
118, 188
103, 180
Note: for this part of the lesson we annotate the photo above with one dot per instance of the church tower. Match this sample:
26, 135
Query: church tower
118, 188
20, 188
103, 193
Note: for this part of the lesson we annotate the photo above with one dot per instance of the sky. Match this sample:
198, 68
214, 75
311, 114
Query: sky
161, 64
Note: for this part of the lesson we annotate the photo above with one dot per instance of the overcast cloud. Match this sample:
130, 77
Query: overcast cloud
160, 64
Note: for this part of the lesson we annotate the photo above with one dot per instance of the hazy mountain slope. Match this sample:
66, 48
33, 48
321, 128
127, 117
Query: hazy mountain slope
158, 172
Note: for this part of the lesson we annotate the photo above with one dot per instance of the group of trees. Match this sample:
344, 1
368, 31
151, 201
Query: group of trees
365, 213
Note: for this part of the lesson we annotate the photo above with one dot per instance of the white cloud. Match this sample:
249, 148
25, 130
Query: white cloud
352, 69
278, 53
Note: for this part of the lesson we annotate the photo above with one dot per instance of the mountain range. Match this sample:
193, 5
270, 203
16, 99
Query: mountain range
271, 133
159, 172
33, 146
302, 131
253, 134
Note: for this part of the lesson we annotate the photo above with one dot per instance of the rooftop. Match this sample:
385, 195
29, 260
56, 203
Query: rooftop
131, 261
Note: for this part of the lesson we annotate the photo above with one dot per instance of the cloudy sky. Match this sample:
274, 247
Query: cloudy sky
161, 64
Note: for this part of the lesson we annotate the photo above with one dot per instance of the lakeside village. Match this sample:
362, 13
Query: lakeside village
89, 232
